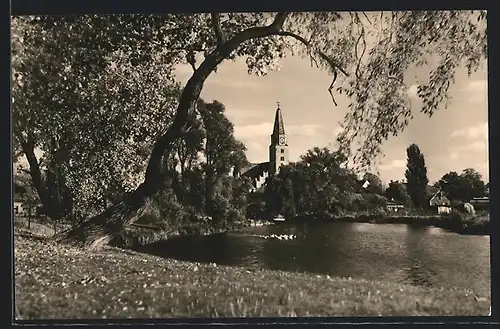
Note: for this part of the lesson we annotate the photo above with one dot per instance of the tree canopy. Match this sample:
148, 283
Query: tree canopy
469, 184
319, 184
94, 124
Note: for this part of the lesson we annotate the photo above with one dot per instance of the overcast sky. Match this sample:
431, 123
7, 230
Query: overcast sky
452, 140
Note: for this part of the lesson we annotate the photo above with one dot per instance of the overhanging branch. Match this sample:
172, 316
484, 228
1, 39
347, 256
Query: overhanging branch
190, 95
366, 16
333, 64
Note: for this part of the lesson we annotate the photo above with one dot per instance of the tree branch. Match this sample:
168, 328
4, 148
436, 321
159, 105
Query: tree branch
334, 65
360, 58
191, 59
321, 54
191, 94
219, 35
369, 21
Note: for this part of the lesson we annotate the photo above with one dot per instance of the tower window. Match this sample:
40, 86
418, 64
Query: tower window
282, 158
282, 151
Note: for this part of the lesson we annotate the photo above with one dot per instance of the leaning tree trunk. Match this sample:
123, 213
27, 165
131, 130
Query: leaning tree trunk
101, 228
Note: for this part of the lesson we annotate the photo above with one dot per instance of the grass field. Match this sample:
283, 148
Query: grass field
56, 281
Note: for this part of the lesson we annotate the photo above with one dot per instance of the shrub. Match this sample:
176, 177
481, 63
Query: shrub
378, 213
454, 216
357, 202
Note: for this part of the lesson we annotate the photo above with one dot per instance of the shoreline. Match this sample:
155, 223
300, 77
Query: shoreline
416, 220
140, 237
133, 238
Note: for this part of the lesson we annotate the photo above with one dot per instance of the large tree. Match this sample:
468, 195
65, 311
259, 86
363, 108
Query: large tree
469, 184
92, 111
473, 184
397, 191
369, 53
451, 184
416, 176
319, 183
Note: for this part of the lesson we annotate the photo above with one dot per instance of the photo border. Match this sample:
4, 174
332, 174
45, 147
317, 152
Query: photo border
60, 7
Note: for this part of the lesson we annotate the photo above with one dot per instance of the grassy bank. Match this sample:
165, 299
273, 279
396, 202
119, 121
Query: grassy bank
54, 281
455, 222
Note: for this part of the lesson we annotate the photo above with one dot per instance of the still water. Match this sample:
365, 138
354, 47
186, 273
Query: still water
422, 256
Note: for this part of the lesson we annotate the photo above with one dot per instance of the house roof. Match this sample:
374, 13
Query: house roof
255, 169
439, 199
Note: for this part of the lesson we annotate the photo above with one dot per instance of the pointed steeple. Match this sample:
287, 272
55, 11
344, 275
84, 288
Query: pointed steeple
279, 127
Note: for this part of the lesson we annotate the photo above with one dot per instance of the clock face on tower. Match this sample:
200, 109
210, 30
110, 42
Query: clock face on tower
282, 140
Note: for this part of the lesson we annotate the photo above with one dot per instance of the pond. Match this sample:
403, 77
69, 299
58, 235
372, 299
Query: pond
421, 256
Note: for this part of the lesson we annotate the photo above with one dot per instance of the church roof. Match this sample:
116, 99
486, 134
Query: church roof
256, 170
279, 127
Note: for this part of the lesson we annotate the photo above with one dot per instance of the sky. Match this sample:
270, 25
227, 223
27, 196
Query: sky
454, 138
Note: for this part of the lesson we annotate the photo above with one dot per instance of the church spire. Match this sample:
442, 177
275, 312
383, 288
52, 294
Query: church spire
279, 127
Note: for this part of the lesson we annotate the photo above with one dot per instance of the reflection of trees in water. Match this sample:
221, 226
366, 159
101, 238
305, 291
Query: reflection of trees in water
317, 248
224, 249
419, 272
203, 249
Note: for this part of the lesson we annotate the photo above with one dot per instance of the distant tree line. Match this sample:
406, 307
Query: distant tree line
321, 183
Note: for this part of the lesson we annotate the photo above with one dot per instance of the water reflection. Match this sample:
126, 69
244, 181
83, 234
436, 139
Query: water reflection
397, 253
419, 271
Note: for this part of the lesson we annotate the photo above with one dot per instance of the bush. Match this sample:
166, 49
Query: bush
454, 217
378, 213
357, 202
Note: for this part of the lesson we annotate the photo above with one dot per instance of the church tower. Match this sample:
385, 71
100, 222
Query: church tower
278, 150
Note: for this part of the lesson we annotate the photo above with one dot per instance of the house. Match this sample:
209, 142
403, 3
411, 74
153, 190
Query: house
394, 206
366, 184
440, 202
19, 208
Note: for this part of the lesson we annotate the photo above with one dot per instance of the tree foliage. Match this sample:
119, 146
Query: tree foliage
416, 176
397, 191
202, 180
469, 184
96, 116
376, 186
318, 184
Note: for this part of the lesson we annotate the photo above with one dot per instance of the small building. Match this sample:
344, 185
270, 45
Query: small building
19, 208
394, 206
441, 203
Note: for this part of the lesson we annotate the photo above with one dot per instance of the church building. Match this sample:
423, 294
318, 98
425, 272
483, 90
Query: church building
278, 154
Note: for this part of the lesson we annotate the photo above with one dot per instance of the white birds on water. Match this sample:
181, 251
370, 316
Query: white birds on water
279, 237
